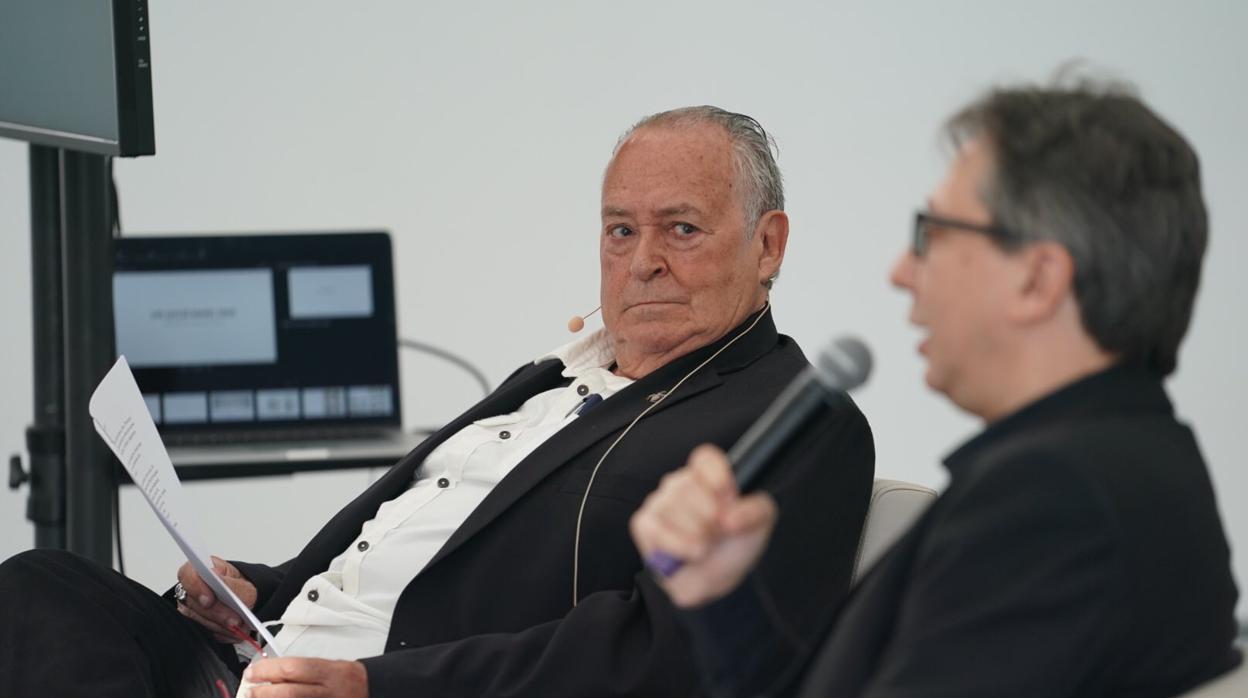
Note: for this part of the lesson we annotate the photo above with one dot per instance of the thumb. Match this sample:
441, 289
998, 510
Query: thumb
223, 568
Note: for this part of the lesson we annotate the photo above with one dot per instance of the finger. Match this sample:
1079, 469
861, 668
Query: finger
288, 670
230, 639
223, 616
681, 514
641, 524
288, 690
218, 614
681, 519
223, 568
196, 589
710, 466
243, 589
654, 533
221, 630
748, 514
211, 625
686, 504
651, 525
184, 572
234, 579
190, 581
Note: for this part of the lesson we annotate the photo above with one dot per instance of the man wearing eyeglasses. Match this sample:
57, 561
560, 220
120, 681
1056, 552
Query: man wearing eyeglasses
1077, 550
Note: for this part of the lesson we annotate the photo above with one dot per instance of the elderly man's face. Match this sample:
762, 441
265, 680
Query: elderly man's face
678, 267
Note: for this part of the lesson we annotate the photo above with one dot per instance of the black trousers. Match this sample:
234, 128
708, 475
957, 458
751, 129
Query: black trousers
70, 628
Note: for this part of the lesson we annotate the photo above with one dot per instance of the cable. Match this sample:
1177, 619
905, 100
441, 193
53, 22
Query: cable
448, 356
580, 514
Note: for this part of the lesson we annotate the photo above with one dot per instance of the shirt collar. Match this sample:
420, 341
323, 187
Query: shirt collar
583, 353
597, 351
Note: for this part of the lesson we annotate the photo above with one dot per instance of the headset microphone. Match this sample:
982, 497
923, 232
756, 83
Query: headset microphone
577, 322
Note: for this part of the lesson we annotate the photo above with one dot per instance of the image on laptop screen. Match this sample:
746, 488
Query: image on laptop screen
250, 335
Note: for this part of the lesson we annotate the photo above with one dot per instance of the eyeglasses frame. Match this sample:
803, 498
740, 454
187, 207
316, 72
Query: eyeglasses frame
919, 242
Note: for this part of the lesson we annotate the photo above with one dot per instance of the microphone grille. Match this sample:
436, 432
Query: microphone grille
844, 364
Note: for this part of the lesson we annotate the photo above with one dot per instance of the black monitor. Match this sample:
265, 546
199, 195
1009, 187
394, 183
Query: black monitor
77, 74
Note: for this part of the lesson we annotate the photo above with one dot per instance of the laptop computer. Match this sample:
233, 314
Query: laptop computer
264, 349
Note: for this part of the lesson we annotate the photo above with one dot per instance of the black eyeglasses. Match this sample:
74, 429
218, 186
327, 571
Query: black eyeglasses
924, 222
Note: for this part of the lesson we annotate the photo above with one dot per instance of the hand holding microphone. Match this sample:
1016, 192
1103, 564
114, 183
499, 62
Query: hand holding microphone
696, 530
698, 527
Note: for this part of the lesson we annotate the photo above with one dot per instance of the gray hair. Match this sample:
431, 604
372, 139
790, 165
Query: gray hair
753, 155
1091, 167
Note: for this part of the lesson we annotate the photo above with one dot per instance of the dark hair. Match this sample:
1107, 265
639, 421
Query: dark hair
1093, 168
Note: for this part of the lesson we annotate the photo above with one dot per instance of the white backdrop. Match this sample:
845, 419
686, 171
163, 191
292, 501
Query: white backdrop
477, 133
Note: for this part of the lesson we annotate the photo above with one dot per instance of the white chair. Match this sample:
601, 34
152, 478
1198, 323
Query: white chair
1232, 685
894, 506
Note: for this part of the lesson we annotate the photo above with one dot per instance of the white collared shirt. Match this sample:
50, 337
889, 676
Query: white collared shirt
345, 612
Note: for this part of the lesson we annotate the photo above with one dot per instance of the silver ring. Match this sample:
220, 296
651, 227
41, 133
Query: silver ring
179, 593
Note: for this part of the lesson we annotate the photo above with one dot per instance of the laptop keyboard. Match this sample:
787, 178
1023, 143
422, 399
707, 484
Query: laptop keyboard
260, 436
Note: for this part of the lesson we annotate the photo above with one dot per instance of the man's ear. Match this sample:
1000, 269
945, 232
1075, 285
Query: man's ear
1046, 281
772, 233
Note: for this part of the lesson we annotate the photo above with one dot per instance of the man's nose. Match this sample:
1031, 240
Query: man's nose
649, 259
902, 273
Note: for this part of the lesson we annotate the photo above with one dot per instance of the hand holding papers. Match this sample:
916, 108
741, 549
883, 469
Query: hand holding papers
122, 420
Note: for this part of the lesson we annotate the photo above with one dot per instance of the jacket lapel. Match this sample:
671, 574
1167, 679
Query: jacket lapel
345, 526
607, 420
526, 383
616, 413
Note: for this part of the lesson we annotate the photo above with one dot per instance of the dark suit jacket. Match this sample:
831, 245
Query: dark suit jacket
492, 613
1076, 552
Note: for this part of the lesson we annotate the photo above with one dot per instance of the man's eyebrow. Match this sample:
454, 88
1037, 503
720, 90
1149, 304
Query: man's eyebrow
666, 212
678, 210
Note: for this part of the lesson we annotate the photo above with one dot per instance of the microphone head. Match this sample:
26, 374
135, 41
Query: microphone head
577, 322
844, 364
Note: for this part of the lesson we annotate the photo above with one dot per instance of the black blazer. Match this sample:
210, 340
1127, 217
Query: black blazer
1076, 552
492, 613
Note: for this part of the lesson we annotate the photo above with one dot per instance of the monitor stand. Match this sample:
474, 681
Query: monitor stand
72, 475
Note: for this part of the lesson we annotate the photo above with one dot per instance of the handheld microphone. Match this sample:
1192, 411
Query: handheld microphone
576, 323
842, 366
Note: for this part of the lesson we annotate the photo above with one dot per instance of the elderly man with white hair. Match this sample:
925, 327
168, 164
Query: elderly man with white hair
495, 558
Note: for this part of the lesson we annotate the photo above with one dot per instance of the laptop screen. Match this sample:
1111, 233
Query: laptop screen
260, 332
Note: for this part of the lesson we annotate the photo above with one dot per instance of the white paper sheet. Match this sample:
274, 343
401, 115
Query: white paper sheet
122, 420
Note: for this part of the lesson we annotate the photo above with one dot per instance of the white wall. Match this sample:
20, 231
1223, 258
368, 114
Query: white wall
477, 132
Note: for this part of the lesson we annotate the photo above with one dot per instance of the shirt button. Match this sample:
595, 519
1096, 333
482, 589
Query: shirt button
362, 546
313, 595
443, 483
582, 390
504, 435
